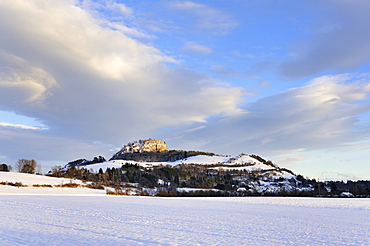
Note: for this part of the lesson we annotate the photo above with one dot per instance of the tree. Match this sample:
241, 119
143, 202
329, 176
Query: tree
56, 171
4, 168
26, 166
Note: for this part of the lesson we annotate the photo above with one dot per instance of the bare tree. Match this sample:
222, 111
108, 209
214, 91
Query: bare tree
56, 171
26, 166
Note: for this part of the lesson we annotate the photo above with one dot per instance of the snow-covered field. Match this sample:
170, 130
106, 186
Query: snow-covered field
81, 216
31, 179
57, 216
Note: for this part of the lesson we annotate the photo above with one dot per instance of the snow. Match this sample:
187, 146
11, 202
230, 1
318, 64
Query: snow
39, 191
257, 167
47, 218
286, 175
105, 165
30, 179
194, 189
203, 159
199, 159
243, 159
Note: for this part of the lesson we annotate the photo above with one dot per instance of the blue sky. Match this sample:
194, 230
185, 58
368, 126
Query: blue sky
287, 80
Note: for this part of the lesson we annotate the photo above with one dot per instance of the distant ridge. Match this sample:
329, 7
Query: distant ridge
154, 169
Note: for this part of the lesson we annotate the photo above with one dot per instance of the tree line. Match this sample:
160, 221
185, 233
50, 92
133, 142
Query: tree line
167, 180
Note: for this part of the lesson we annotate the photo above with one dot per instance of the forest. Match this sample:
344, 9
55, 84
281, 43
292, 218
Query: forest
195, 179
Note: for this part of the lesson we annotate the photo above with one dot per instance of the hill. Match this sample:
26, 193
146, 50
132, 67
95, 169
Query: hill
149, 167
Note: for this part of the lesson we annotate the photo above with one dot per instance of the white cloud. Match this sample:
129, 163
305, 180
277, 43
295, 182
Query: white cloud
206, 17
70, 71
22, 84
5, 124
322, 114
197, 48
116, 16
107, 8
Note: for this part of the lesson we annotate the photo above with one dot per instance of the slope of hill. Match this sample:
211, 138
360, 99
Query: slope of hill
149, 167
242, 174
241, 162
12, 183
32, 179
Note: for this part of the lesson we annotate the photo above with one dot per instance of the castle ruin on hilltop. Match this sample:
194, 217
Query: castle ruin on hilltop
149, 145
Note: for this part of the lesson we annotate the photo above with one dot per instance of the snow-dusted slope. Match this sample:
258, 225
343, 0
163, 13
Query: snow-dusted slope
240, 162
203, 160
28, 180
267, 177
32, 179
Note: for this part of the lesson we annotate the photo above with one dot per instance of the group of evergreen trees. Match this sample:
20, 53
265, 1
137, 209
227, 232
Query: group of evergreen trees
99, 159
4, 168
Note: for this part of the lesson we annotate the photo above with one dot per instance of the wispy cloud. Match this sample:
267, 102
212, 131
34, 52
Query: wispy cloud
5, 124
320, 115
206, 17
264, 83
197, 48
106, 9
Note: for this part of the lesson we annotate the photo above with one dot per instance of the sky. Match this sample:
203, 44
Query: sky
287, 80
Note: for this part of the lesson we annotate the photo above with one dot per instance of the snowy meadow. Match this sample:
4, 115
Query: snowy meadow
62, 216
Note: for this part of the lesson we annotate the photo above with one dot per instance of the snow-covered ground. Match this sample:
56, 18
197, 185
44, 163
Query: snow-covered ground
56, 216
199, 160
31, 179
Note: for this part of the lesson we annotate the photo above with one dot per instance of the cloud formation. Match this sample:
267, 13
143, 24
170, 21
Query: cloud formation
87, 82
340, 41
5, 124
207, 18
198, 49
320, 115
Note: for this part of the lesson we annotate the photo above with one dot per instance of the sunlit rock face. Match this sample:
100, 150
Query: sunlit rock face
144, 146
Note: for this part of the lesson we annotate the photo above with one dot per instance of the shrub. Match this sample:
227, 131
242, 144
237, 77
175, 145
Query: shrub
43, 185
68, 185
